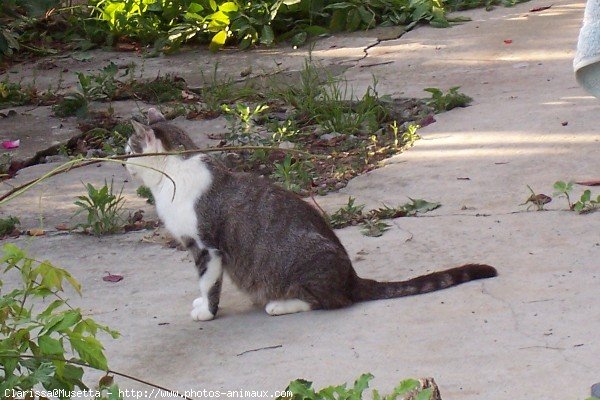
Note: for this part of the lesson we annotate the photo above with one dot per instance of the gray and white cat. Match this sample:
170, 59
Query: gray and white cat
273, 245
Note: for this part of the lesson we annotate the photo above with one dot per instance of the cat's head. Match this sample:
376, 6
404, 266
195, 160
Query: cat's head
146, 139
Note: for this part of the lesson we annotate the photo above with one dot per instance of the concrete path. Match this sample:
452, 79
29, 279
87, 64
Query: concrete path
530, 333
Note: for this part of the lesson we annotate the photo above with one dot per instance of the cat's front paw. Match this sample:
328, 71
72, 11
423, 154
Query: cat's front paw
201, 314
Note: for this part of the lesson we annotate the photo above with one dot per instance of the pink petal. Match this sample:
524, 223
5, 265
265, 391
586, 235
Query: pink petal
11, 144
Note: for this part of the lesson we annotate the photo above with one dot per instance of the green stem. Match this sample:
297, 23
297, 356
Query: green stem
78, 163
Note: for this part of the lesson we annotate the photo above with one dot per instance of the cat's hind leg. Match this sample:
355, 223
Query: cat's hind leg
289, 306
309, 296
210, 270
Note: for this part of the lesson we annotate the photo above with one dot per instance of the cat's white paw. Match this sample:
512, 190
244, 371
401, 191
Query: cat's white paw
281, 307
201, 314
198, 302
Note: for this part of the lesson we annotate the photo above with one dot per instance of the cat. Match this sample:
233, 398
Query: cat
273, 245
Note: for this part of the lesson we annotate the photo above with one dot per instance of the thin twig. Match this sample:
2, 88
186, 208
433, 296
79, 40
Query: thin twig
73, 164
259, 349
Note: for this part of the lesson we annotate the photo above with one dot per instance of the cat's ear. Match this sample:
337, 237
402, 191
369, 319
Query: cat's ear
155, 116
145, 133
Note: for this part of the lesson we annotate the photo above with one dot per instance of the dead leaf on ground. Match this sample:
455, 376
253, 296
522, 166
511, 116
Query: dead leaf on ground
112, 278
428, 120
595, 182
36, 232
542, 8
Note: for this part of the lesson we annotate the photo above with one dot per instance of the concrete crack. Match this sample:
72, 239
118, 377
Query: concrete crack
516, 324
393, 36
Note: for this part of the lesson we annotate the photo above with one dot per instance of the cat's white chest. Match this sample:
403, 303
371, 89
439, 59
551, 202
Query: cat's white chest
192, 179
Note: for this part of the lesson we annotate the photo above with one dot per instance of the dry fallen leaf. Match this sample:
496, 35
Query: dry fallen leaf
106, 381
36, 232
537, 9
507, 41
112, 278
589, 183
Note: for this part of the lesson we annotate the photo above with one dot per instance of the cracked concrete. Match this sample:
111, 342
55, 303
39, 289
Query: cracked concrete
531, 332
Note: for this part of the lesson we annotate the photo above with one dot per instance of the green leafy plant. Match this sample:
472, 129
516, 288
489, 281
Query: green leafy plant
292, 173
170, 24
301, 389
160, 90
146, 193
242, 117
100, 86
74, 104
327, 100
44, 346
585, 204
9, 42
103, 209
11, 93
350, 214
374, 227
456, 5
8, 225
410, 136
562, 189
417, 206
370, 222
441, 101
216, 91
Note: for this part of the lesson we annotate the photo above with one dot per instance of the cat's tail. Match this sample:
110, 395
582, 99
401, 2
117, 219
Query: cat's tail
368, 289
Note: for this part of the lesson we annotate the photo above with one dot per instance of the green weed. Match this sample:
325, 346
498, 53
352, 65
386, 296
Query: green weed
12, 94
216, 91
103, 209
585, 204
8, 225
374, 227
243, 117
301, 389
170, 24
160, 90
456, 5
563, 189
350, 214
41, 346
100, 86
146, 193
74, 104
441, 101
371, 224
292, 174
